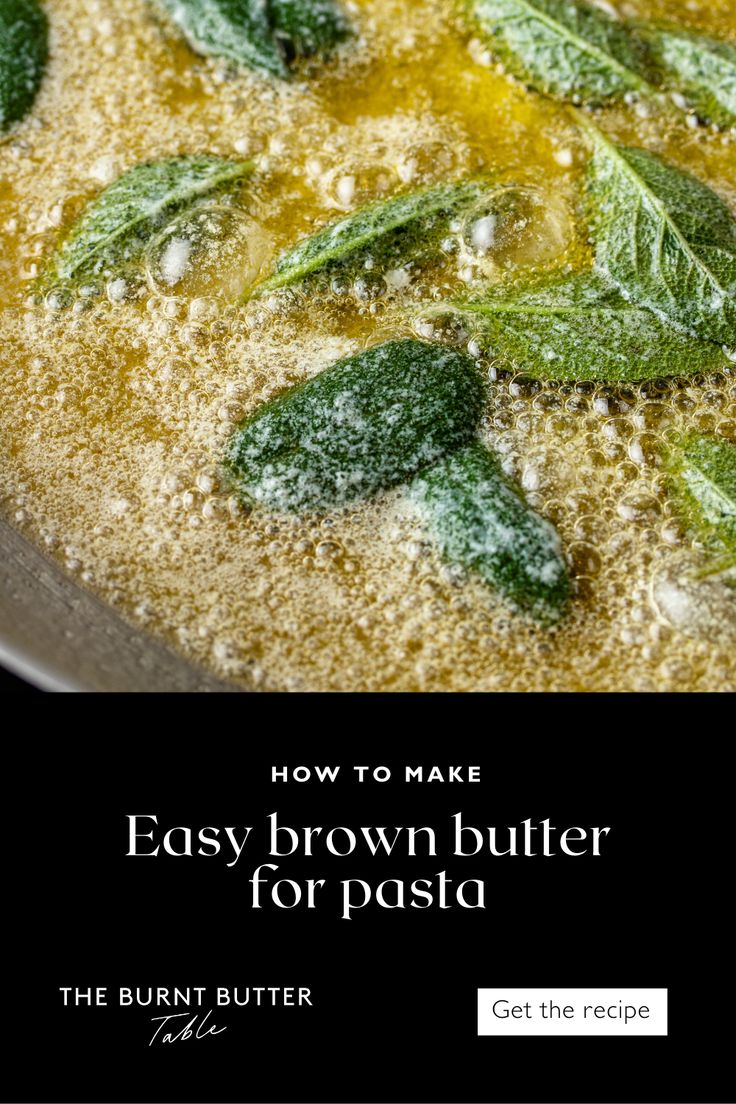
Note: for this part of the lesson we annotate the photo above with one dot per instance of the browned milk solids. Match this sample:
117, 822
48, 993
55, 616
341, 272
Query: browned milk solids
115, 412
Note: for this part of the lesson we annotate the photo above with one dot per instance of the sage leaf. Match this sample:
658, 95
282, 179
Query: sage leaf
480, 520
396, 227
582, 328
236, 30
664, 238
567, 49
265, 35
306, 28
701, 68
115, 228
23, 55
365, 424
704, 473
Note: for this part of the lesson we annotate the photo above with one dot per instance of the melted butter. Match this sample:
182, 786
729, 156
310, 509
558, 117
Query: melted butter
115, 412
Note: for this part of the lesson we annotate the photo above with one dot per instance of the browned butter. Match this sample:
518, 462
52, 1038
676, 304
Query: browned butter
115, 411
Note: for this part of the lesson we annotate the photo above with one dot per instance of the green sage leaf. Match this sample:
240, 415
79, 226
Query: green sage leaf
236, 30
703, 69
363, 425
305, 28
664, 238
265, 35
480, 520
704, 472
582, 328
23, 55
565, 48
397, 227
115, 228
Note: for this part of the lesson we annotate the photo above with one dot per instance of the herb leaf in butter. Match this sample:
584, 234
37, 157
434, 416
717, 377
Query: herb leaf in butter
398, 225
367, 423
479, 520
567, 49
23, 56
305, 28
664, 238
265, 35
236, 30
115, 228
581, 328
704, 474
701, 68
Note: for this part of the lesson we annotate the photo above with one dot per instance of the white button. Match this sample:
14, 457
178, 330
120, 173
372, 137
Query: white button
572, 1011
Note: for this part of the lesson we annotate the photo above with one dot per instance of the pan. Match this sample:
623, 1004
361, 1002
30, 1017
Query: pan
60, 638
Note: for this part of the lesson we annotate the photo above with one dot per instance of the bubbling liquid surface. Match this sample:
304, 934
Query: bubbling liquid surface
116, 408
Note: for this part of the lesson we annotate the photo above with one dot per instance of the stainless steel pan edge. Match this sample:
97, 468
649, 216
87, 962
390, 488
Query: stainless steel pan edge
61, 638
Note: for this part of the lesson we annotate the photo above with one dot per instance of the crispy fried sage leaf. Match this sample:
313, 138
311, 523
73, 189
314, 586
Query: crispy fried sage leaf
701, 68
237, 30
23, 55
565, 48
367, 423
704, 473
398, 226
115, 227
305, 28
481, 521
664, 238
581, 328
265, 35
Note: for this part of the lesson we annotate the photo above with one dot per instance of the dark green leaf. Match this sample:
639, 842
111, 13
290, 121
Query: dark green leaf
23, 55
481, 521
365, 424
581, 328
397, 225
702, 68
664, 238
306, 28
565, 48
265, 35
237, 30
704, 470
115, 227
